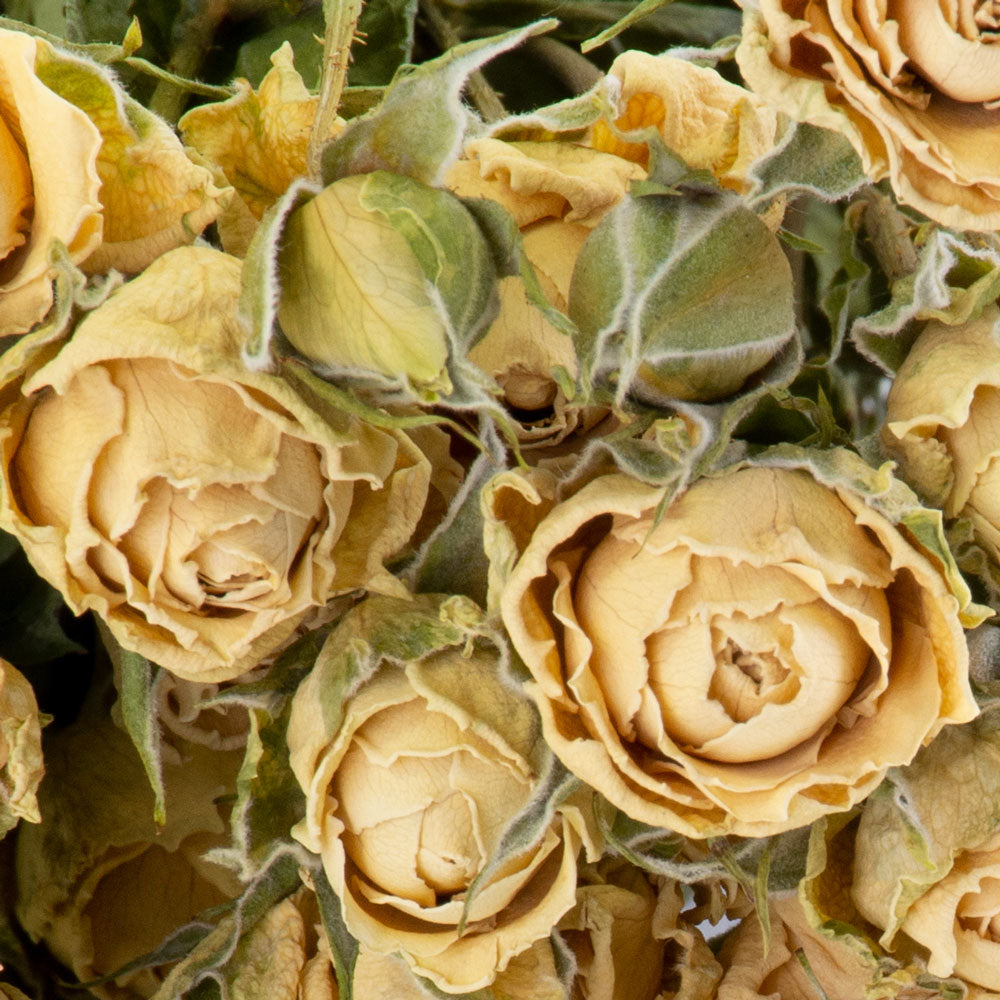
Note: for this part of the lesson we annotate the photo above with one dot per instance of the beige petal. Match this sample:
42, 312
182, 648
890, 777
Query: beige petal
47, 131
258, 139
959, 67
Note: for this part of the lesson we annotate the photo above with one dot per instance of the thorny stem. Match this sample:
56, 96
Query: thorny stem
483, 95
341, 24
194, 33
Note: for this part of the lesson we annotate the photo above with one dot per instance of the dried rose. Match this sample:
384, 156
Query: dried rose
411, 785
286, 956
258, 141
40, 200
796, 952
628, 942
87, 876
556, 192
942, 417
21, 765
710, 123
200, 508
735, 665
914, 87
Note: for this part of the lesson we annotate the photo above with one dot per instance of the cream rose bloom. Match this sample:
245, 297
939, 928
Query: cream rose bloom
21, 765
958, 919
914, 86
753, 973
40, 201
752, 659
943, 417
627, 937
711, 123
408, 796
131, 195
201, 509
556, 192
88, 875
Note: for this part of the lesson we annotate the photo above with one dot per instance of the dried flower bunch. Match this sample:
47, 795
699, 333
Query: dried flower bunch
499, 507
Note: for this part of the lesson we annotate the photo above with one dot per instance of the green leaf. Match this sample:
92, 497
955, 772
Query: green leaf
253, 60
953, 281
453, 560
386, 29
136, 678
418, 128
807, 159
343, 946
680, 297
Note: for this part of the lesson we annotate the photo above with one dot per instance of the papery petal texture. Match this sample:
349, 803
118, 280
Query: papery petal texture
912, 85
725, 666
201, 541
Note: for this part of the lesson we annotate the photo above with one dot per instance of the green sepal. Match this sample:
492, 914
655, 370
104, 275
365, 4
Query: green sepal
555, 784
419, 127
680, 297
207, 960
136, 677
955, 277
807, 160
343, 946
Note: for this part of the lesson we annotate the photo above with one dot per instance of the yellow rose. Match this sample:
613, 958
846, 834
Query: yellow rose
753, 659
286, 956
131, 195
556, 192
40, 200
914, 87
958, 918
258, 141
710, 123
751, 973
943, 415
98, 881
628, 940
21, 765
410, 787
200, 508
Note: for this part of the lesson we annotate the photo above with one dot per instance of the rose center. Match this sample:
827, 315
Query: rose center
745, 681
987, 20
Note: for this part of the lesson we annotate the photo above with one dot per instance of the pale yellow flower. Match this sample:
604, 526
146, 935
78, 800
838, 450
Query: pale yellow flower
286, 956
710, 123
201, 509
556, 192
21, 765
258, 140
40, 200
87, 876
752, 659
958, 918
913, 86
130, 195
408, 797
753, 973
942, 420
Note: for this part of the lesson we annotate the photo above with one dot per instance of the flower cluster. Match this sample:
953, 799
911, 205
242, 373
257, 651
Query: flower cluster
456, 550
